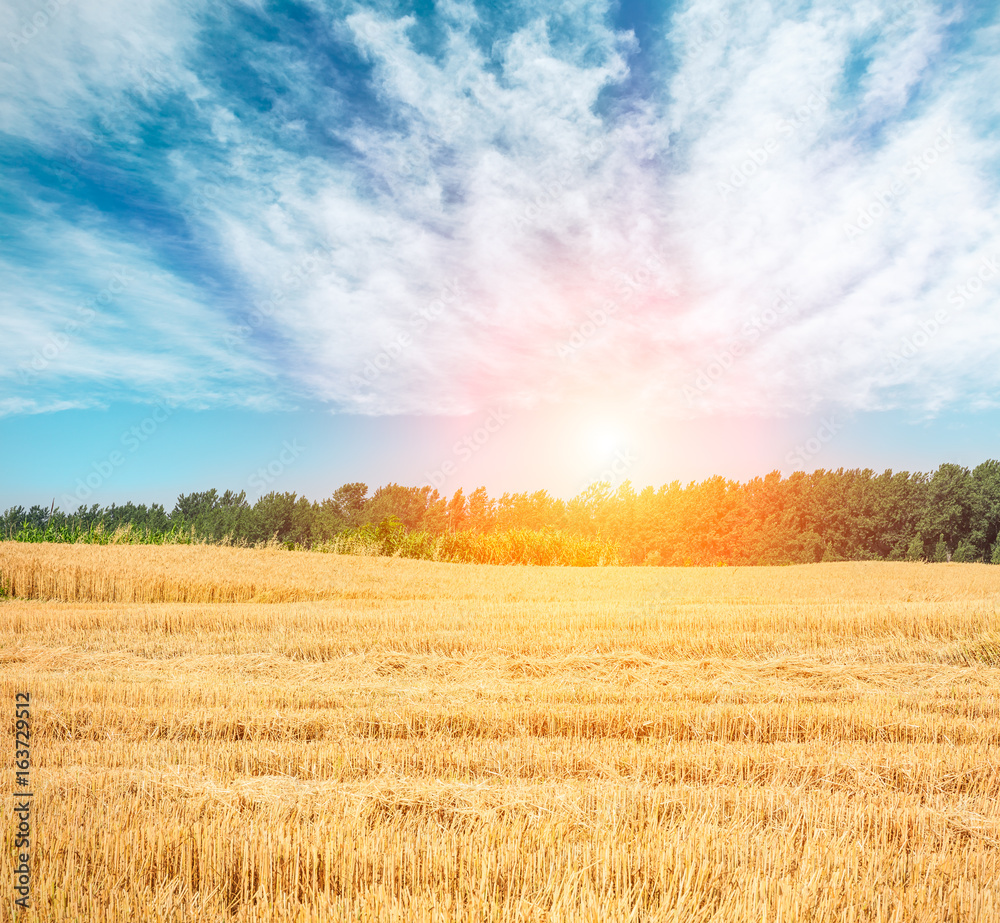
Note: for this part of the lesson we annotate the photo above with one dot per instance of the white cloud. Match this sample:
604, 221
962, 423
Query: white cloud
749, 169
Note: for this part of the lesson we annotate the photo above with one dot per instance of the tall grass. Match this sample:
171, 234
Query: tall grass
72, 531
388, 538
549, 547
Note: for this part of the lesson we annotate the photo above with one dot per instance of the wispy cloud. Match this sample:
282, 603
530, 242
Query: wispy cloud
284, 191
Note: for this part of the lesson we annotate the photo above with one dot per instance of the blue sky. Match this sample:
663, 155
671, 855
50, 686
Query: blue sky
690, 235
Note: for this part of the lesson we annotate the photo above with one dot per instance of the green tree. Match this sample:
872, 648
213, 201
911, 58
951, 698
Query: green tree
284, 517
948, 507
984, 524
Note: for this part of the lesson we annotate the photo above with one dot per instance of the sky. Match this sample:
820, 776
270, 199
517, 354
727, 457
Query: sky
284, 246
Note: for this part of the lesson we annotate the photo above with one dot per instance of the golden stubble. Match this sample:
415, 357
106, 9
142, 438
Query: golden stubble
265, 735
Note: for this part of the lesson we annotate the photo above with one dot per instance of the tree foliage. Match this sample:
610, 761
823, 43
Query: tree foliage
951, 514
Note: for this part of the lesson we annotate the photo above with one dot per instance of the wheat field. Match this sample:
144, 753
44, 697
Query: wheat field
227, 734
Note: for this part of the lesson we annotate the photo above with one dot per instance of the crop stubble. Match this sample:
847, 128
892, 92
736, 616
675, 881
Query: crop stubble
269, 735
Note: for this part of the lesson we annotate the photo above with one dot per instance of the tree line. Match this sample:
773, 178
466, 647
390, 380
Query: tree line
952, 514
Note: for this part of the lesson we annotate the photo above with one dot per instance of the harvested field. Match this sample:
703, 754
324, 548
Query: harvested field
267, 735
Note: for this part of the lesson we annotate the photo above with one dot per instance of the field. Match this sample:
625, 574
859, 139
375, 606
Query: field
267, 735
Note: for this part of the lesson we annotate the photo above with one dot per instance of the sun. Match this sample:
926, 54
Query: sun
603, 437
